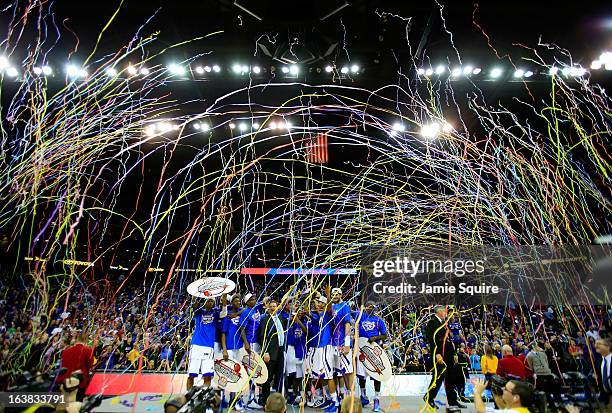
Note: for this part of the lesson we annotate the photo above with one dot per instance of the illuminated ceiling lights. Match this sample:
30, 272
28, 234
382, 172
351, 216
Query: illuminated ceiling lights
355, 69
12, 72
216, 68
74, 72
4, 63
519, 73
294, 70
329, 69
399, 127
496, 72
175, 69
111, 72
344, 70
256, 69
440, 70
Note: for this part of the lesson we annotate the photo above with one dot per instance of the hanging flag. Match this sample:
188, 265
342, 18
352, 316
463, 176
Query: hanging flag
316, 149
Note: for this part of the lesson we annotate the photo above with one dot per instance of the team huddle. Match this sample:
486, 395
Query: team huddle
308, 346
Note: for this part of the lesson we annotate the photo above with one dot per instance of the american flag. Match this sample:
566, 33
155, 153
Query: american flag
316, 148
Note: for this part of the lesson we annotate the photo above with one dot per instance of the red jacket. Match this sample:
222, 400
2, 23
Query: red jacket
77, 357
511, 365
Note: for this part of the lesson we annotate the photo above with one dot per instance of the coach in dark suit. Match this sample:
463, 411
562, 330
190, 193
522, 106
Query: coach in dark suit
443, 353
603, 369
271, 336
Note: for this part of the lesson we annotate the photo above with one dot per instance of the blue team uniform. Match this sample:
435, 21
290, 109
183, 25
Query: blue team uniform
342, 315
324, 328
205, 332
297, 338
249, 320
371, 326
231, 329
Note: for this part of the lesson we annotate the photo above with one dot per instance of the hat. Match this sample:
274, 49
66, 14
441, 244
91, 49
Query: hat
336, 290
247, 297
322, 299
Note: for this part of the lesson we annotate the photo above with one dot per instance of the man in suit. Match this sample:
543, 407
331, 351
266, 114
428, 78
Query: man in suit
271, 337
442, 348
604, 369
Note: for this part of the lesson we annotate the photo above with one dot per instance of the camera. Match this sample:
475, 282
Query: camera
497, 385
198, 400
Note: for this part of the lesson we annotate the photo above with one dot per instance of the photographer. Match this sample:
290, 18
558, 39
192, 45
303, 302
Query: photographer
515, 397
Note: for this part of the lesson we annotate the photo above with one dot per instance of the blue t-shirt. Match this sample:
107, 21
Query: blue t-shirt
231, 329
249, 320
311, 334
371, 326
342, 315
205, 327
475, 361
297, 338
324, 328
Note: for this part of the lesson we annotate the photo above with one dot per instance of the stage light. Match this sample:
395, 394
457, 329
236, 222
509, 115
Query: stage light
205, 127
294, 70
272, 125
196, 126
399, 127
244, 69
285, 69
144, 71
553, 71
37, 71
420, 71
216, 68
429, 72
207, 69
175, 127
605, 58
476, 70
72, 70
577, 71
150, 130
132, 70
608, 66
236, 68
456, 72
200, 70
12, 72
344, 70
447, 127
256, 69
83, 73
47, 71
430, 131
164, 127
232, 125
111, 72
440, 69
176, 69
528, 73
496, 72
242, 127
288, 125
565, 71
519, 73
4, 63
328, 69
280, 125
255, 125
467, 70
596, 65
354, 68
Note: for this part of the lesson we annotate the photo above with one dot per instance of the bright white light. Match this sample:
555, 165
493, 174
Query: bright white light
111, 72
456, 72
496, 72
420, 71
256, 69
144, 71
200, 70
608, 66
255, 125
397, 126
132, 70
440, 69
205, 127
164, 127
242, 127
216, 68
428, 72
596, 65
150, 130
244, 69
344, 70
232, 125
285, 69
519, 73
47, 71
72, 70
577, 71
566, 71
4, 63
83, 73
294, 70
605, 58
207, 69
430, 131
175, 127
476, 70
288, 125
176, 69
467, 70
553, 70
528, 73
328, 69
196, 126
447, 127
272, 125
354, 69
236, 68
37, 71
12, 72
280, 124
